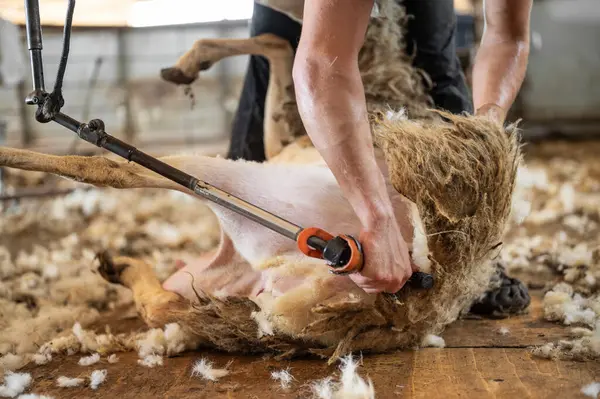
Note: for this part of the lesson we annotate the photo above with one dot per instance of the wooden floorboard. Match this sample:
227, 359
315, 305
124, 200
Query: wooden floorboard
524, 330
478, 362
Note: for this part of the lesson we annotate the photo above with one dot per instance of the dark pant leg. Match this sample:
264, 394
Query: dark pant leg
431, 33
247, 132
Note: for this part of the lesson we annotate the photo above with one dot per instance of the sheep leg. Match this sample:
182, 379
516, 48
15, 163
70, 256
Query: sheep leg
96, 170
224, 274
154, 304
256, 183
280, 93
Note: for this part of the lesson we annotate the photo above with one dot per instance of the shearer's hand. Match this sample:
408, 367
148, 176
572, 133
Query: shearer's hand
387, 264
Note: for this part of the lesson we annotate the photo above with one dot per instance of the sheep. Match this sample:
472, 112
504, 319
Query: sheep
450, 178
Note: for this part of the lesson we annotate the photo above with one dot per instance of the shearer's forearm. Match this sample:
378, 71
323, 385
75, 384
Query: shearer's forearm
499, 71
501, 61
332, 104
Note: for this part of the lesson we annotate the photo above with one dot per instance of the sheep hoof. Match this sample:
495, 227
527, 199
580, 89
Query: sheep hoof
508, 296
110, 271
176, 75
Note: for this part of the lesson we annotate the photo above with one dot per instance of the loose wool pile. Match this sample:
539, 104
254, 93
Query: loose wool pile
557, 247
47, 249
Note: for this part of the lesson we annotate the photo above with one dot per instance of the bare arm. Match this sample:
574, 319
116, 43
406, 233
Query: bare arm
501, 61
332, 104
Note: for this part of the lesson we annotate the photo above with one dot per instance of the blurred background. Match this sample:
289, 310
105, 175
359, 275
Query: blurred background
119, 46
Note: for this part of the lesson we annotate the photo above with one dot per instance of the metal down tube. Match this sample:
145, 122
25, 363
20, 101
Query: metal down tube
104, 140
93, 132
248, 210
34, 43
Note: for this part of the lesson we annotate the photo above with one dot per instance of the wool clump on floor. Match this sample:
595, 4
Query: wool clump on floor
151, 361
204, 368
89, 360
433, 341
42, 358
562, 304
504, 331
592, 390
14, 384
283, 376
350, 385
97, 378
112, 359
66, 382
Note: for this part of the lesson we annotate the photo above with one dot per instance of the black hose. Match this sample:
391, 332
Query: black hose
62, 67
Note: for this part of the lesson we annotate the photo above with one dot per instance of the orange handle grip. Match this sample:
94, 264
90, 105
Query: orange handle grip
342, 252
305, 234
356, 261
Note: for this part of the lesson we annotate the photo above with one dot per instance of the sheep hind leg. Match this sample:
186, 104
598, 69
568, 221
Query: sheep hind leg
224, 274
96, 170
282, 121
154, 304
224, 324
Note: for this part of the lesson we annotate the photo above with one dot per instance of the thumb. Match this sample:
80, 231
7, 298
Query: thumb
359, 279
414, 267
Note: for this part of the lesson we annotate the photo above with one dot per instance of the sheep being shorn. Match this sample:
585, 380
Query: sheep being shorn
281, 301
390, 81
451, 180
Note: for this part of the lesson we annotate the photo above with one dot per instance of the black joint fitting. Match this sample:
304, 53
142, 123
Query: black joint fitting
40, 116
49, 107
96, 129
88, 134
337, 252
420, 280
36, 97
96, 125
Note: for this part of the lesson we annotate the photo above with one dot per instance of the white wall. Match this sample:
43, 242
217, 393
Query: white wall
563, 79
159, 110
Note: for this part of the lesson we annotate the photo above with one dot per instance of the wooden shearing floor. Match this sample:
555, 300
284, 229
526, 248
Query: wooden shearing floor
477, 362
51, 243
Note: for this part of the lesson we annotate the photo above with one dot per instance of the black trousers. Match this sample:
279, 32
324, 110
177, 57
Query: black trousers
430, 36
